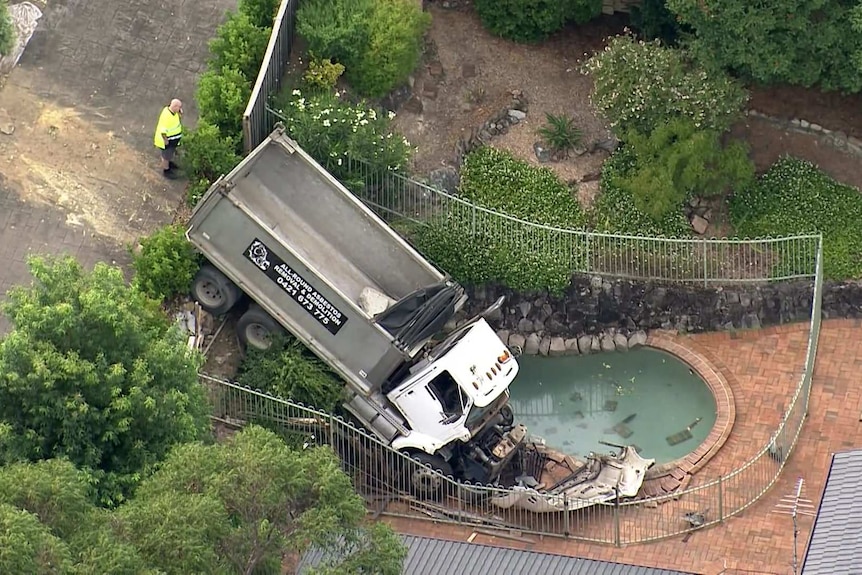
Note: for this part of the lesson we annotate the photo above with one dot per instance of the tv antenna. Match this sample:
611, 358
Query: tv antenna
795, 505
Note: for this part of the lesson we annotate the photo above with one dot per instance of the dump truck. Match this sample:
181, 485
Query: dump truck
307, 256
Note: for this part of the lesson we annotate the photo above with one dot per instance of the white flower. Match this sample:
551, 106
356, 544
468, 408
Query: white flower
363, 122
296, 93
391, 114
326, 124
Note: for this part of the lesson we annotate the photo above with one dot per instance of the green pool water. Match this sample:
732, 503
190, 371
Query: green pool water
644, 397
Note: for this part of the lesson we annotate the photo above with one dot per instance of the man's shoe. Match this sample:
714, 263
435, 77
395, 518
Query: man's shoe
174, 166
169, 174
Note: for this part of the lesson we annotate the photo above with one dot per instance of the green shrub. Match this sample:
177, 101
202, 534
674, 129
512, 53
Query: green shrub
641, 85
239, 45
207, 156
782, 41
560, 133
378, 41
795, 197
260, 12
166, 264
653, 20
7, 29
615, 210
222, 97
393, 50
497, 180
534, 20
287, 369
336, 29
322, 74
677, 161
476, 247
350, 140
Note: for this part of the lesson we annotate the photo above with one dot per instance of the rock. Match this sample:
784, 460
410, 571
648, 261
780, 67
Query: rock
397, 98
468, 70
815, 128
572, 346
579, 151
606, 341
430, 92
503, 334
595, 345
545, 345
585, 344
543, 154
532, 345
517, 115
556, 347
621, 342
524, 307
435, 69
517, 341
637, 339
414, 105
445, 179
374, 302
608, 145
525, 325
751, 321
804, 124
699, 224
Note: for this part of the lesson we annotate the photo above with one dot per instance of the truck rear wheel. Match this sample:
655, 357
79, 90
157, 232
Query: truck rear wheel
256, 328
214, 291
424, 479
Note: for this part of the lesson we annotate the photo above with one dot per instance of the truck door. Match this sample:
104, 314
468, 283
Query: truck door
435, 407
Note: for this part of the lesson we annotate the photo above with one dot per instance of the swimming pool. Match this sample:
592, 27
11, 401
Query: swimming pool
644, 397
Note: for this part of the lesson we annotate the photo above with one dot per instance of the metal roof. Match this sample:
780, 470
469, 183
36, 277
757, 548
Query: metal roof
428, 556
835, 546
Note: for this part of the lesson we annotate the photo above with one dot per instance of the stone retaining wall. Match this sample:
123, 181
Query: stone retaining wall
597, 314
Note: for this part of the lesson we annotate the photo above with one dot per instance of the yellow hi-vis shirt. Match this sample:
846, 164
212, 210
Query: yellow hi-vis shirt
170, 125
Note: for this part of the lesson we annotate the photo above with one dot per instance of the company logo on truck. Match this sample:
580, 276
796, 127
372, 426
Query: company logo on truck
296, 287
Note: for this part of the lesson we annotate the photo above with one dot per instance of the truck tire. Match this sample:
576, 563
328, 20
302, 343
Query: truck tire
214, 291
423, 482
256, 328
506, 417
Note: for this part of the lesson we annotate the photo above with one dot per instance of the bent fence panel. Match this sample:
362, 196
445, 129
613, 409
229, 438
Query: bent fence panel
257, 123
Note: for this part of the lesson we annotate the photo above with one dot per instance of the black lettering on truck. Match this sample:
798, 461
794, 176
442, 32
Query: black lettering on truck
295, 286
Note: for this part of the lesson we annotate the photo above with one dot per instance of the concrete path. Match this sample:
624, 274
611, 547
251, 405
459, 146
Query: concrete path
79, 171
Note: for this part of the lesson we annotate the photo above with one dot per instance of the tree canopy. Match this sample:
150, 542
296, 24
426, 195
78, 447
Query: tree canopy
94, 372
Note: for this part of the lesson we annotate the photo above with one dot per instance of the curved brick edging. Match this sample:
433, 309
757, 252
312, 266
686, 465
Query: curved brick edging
676, 475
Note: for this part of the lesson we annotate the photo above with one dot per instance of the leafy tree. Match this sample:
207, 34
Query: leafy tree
222, 96
534, 20
208, 155
28, 546
93, 371
856, 26
260, 12
239, 506
676, 161
57, 495
166, 263
803, 42
287, 369
7, 29
239, 44
641, 85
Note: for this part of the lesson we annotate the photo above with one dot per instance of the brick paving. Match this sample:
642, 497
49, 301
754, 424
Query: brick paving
763, 368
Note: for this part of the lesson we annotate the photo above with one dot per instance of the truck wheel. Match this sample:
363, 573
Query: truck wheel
256, 328
424, 483
214, 291
507, 417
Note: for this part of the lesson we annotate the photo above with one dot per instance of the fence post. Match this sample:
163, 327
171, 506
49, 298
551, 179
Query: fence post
720, 499
617, 517
565, 515
589, 260
705, 265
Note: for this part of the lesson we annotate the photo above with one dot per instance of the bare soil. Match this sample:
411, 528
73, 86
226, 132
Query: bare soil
469, 75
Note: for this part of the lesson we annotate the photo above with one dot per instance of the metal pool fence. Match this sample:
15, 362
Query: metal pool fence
379, 472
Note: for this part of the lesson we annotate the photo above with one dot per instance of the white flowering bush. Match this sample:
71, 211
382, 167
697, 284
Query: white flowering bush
640, 85
796, 197
351, 140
